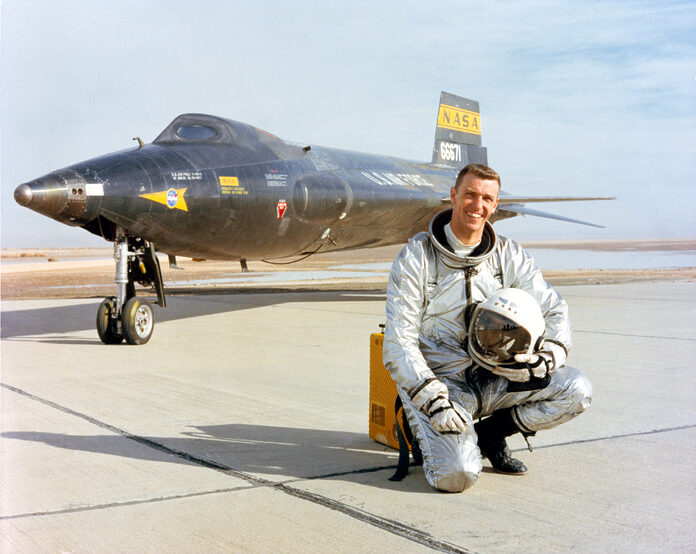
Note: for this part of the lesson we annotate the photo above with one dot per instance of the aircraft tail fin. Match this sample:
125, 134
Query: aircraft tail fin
458, 132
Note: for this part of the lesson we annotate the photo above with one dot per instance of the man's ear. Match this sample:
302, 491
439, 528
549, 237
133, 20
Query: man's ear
453, 194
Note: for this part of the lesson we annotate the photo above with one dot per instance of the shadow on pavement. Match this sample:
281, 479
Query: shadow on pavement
82, 317
257, 450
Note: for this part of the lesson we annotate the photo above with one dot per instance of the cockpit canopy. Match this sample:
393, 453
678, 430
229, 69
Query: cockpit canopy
201, 128
196, 131
251, 144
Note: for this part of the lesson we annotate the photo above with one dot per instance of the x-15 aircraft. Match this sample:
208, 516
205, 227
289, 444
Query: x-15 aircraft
213, 188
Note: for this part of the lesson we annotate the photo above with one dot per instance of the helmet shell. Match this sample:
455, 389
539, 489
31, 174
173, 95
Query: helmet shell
507, 323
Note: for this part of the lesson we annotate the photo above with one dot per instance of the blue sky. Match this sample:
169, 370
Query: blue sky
577, 98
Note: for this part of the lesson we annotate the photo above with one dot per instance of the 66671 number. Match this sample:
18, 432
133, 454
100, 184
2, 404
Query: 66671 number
450, 152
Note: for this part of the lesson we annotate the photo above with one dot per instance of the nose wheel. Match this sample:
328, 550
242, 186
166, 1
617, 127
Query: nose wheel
107, 327
127, 316
137, 321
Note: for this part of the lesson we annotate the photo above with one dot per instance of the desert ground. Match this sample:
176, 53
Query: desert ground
89, 272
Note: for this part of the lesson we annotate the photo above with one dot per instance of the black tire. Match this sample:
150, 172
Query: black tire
105, 324
138, 321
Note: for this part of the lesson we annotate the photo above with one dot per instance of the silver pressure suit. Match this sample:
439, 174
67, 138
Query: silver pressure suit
430, 295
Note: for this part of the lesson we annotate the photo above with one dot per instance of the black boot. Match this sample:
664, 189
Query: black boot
491, 440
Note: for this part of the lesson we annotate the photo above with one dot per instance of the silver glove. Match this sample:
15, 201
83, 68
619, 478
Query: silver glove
432, 398
536, 365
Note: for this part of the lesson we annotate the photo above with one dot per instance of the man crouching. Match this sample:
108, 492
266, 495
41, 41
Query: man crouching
511, 373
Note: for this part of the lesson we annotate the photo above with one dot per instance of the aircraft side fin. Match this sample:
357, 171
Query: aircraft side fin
503, 200
458, 132
510, 206
510, 210
523, 199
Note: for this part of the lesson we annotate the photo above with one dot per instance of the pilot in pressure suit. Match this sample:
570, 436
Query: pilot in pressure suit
435, 286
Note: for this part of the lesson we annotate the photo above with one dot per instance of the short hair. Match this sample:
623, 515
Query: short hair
480, 170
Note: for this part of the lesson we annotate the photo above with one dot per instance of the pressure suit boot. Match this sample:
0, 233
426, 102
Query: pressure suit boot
491, 441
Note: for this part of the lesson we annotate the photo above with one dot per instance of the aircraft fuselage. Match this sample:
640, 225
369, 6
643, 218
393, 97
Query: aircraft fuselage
243, 194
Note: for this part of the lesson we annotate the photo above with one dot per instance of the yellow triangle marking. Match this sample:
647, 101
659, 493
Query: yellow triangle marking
172, 198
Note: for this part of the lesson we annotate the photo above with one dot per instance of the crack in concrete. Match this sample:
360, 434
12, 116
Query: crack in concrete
388, 525
285, 487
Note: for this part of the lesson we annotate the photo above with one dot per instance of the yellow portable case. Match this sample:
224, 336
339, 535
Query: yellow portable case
382, 423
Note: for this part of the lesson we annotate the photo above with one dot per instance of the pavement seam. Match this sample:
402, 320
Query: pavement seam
394, 527
632, 335
391, 526
142, 440
91, 507
611, 437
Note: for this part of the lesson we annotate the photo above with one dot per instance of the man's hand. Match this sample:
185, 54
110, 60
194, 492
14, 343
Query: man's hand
536, 365
445, 418
432, 398
545, 361
519, 375
529, 365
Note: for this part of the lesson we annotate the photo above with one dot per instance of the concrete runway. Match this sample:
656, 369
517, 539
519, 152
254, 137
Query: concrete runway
242, 426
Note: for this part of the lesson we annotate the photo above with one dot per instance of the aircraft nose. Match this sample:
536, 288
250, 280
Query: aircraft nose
48, 195
23, 195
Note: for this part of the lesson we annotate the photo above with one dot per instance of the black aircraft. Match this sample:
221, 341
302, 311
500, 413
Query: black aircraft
213, 188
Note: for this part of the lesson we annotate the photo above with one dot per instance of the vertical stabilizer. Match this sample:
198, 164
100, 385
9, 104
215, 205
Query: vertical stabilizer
458, 132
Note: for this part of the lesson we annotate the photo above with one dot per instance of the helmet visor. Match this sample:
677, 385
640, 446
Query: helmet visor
497, 338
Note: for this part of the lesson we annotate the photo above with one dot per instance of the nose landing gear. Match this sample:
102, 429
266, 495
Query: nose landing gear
127, 316
108, 324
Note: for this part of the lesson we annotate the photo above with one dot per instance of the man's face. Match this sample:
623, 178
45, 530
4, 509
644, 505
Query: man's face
472, 205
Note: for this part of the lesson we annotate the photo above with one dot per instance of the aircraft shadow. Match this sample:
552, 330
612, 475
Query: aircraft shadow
260, 450
82, 317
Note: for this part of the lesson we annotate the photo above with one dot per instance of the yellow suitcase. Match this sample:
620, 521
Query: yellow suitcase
382, 424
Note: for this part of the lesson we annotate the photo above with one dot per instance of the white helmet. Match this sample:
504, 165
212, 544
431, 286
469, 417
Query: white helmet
507, 323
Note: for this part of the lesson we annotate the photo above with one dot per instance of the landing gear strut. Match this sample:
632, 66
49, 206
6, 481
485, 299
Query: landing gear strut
126, 316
